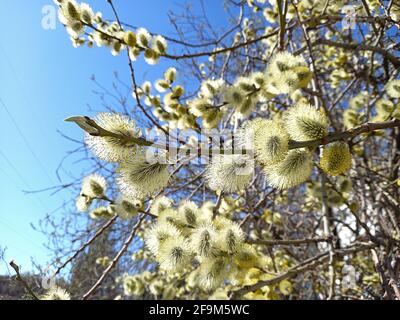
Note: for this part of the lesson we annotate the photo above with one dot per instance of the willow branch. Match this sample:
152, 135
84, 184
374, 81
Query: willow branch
361, 47
90, 126
282, 9
116, 259
345, 135
308, 264
87, 243
288, 242
22, 280
327, 230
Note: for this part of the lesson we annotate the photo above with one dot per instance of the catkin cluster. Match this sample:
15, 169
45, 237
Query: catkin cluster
188, 235
86, 27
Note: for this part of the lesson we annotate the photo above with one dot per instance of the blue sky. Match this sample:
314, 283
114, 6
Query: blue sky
43, 80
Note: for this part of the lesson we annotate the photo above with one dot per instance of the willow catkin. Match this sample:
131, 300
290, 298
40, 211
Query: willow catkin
110, 148
304, 122
335, 158
291, 171
140, 176
230, 173
94, 186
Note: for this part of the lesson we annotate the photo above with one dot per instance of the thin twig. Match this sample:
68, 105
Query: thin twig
288, 242
87, 243
308, 264
328, 233
22, 280
116, 258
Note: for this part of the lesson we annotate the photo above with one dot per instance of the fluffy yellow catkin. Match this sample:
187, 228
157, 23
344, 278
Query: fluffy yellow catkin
271, 142
101, 213
304, 122
287, 73
56, 293
393, 88
174, 254
203, 240
113, 149
335, 158
158, 233
140, 176
126, 208
293, 170
94, 186
160, 204
230, 173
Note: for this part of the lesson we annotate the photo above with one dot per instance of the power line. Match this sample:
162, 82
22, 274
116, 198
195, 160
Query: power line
21, 177
29, 104
7, 224
26, 142
25, 251
22, 90
36, 201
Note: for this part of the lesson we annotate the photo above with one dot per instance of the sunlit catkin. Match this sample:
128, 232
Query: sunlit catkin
100, 213
188, 213
335, 158
271, 142
287, 73
174, 254
158, 233
118, 147
94, 186
213, 271
304, 122
69, 11
160, 204
140, 176
293, 170
203, 240
393, 88
56, 293
126, 208
230, 173
83, 203
230, 237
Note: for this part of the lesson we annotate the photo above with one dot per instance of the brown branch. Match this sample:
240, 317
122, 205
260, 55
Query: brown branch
288, 242
328, 233
367, 10
135, 86
309, 264
282, 9
355, 215
362, 47
22, 280
87, 243
315, 83
345, 135
92, 128
115, 260
330, 18
217, 205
